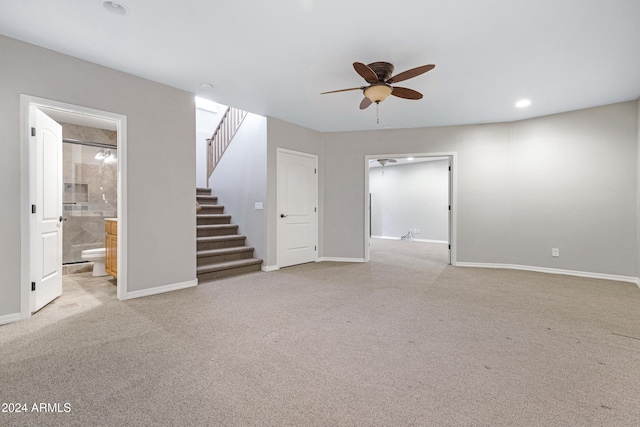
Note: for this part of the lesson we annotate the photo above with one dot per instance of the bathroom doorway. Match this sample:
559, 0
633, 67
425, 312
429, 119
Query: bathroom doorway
90, 190
93, 172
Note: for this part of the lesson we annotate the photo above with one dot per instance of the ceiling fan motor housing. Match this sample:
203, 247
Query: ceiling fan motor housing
383, 70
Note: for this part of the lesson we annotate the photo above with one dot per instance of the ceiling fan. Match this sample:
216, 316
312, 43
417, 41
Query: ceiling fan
379, 77
384, 162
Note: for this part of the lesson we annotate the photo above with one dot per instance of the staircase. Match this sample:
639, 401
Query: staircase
220, 250
222, 136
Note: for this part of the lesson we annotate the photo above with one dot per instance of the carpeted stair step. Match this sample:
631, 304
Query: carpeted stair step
207, 200
210, 219
211, 209
220, 250
206, 273
214, 256
216, 230
219, 242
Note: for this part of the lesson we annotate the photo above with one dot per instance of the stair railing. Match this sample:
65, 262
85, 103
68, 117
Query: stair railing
221, 138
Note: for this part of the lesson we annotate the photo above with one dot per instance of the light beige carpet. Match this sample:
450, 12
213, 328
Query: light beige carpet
404, 340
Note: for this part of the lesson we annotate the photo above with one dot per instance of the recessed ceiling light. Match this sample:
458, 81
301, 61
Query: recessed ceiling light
206, 85
115, 7
523, 103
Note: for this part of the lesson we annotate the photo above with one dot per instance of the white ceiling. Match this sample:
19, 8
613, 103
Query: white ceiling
275, 57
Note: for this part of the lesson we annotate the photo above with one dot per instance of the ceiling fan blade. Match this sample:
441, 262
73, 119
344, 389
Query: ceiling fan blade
403, 92
365, 103
343, 90
405, 75
367, 73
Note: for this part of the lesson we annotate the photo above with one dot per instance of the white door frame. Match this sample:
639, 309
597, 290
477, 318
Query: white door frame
278, 210
453, 184
28, 102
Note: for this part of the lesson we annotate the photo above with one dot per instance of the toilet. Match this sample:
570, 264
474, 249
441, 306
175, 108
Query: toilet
97, 257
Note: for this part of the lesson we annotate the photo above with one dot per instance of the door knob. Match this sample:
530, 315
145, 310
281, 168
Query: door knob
283, 216
62, 219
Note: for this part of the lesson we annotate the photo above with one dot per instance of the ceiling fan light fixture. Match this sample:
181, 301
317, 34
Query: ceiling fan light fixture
378, 93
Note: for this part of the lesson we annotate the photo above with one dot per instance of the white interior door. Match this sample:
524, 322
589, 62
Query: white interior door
46, 230
297, 208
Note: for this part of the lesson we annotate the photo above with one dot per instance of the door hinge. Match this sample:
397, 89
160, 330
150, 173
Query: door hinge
33, 286
449, 246
33, 209
449, 207
315, 209
315, 248
449, 168
315, 170
33, 131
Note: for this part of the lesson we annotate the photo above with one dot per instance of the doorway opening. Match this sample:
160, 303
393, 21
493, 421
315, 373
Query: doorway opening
90, 190
411, 198
91, 176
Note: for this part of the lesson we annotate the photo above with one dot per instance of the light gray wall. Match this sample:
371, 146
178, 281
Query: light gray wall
478, 181
638, 188
567, 180
240, 180
206, 124
201, 158
281, 134
160, 158
410, 196
573, 186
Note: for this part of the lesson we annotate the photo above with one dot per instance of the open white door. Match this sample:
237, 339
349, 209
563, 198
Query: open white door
46, 218
297, 189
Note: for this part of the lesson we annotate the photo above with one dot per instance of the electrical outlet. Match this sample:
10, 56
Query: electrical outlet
555, 252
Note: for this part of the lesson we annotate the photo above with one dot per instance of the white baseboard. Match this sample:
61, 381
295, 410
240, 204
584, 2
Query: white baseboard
336, 259
9, 318
412, 240
161, 289
629, 279
268, 268
444, 242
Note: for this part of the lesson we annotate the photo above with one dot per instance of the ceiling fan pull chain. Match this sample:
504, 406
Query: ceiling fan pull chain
378, 121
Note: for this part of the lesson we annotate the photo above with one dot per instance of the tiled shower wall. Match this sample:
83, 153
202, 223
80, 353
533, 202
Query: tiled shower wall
90, 190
